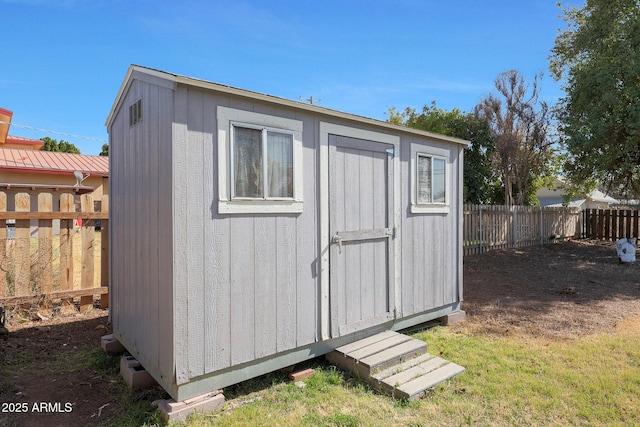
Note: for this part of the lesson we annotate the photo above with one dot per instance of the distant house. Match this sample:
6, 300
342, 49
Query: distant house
554, 196
24, 168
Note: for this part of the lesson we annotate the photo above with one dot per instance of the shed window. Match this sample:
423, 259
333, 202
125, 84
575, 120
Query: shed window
262, 163
430, 180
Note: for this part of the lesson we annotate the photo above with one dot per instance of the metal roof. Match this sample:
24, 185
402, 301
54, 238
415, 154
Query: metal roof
52, 162
13, 139
178, 79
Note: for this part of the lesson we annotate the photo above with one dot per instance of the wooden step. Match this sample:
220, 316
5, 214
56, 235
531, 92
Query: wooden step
410, 379
394, 363
376, 353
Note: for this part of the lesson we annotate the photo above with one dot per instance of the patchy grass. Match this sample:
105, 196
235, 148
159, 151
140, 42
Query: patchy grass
594, 380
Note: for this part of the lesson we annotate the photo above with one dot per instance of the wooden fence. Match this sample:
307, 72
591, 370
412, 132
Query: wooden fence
610, 224
501, 227
38, 265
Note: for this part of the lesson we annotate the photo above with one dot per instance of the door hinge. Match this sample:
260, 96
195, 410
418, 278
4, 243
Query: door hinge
392, 151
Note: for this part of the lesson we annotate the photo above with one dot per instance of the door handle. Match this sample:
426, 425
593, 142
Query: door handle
337, 239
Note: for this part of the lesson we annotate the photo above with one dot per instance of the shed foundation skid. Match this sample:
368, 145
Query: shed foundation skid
395, 363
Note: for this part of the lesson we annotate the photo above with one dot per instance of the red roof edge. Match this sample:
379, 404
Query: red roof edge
12, 139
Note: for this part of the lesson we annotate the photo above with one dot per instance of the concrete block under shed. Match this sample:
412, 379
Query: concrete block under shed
455, 317
179, 411
111, 345
134, 374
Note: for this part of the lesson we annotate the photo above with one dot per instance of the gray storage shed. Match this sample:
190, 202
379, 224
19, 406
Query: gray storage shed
250, 232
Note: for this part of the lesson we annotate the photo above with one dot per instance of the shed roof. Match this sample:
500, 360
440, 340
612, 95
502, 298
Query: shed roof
52, 162
178, 79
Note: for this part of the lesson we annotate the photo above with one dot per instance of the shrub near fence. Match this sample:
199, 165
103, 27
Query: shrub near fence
38, 266
489, 227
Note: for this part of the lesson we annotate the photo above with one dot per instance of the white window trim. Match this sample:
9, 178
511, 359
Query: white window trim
226, 117
434, 153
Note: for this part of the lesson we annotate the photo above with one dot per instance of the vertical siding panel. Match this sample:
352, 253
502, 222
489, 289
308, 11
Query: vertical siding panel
421, 278
222, 266
286, 292
368, 281
380, 298
150, 194
209, 169
443, 231
429, 267
304, 232
266, 235
351, 184
242, 290
130, 276
116, 199
180, 235
194, 228
164, 206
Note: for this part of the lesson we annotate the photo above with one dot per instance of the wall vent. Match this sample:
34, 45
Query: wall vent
135, 112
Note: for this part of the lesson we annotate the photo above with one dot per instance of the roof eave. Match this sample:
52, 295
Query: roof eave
271, 99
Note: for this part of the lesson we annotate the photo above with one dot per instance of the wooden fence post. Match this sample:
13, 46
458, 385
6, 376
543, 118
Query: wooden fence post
45, 245
4, 261
22, 255
88, 243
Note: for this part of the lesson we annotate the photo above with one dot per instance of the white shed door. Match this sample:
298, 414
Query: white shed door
360, 226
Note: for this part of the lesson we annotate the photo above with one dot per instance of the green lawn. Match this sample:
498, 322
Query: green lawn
508, 381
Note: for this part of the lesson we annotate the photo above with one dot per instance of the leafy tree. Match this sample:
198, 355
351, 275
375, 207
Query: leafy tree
520, 125
597, 59
105, 150
477, 164
62, 146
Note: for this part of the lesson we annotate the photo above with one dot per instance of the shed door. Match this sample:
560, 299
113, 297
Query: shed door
360, 226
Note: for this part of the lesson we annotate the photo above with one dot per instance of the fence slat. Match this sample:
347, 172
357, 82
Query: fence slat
88, 243
66, 244
45, 246
22, 253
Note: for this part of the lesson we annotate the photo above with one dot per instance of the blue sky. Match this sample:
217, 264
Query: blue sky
64, 60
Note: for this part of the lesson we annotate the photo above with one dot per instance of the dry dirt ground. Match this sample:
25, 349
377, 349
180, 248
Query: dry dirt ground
559, 291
